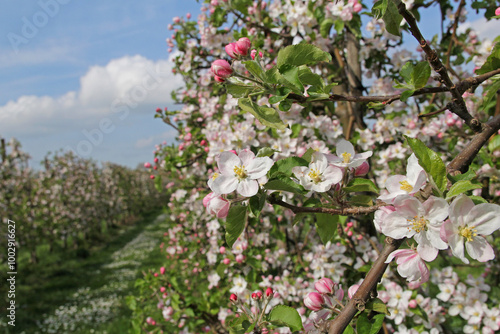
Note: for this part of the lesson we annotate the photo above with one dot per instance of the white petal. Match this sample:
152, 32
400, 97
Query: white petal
393, 185
344, 146
456, 243
248, 187
413, 169
408, 206
426, 251
333, 174
224, 184
259, 167
436, 209
460, 208
485, 218
396, 226
480, 249
246, 157
227, 161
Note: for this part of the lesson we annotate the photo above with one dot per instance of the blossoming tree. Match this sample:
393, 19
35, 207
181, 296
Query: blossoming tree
323, 150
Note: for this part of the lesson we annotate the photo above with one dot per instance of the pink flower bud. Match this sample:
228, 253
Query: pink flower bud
162, 270
231, 50
222, 249
325, 286
269, 293
162, 289
216, 205
412, 303
219, 79
221, 68
363, 169
240, 258
188, 16
497, 11
152, 177
357, 7
226, 261
176, 19
233, 298
147, 165
314, 301
158, 110
242, 46
352, 290
156, 160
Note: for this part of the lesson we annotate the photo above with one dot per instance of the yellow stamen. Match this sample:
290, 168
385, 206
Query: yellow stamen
315, 175
467, 232
419, 224
216, 175
240, 172
346, 157
405, 186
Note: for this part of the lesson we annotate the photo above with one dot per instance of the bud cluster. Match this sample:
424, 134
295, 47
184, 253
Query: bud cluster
255, 312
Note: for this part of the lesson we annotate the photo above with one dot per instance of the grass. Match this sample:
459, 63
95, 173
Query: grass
64, 293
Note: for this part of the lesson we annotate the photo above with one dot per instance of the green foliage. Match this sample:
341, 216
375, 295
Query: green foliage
301, 54
266, 115
285, 315
391, 16
365, 325
415, 77
326, 226
492, 62
358, 184
235, 223
461, 187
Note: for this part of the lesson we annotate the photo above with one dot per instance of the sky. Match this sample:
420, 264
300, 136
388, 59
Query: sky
87, 76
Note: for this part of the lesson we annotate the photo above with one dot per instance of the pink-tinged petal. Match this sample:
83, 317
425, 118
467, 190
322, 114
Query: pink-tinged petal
424, 270
318, 161
246, 157
299, 171
259, 167
393, 184
433, 233
436, 209
333, 174
224, 184
248, 188
426, 250
408, 206
396, 227
409, 268
344, 146
456, 243
227, 161
447, 230
485, 218
480, 249
400, 253
363, 155
460, 208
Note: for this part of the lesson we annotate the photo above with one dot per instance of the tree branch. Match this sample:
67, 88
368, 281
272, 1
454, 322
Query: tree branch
331, 211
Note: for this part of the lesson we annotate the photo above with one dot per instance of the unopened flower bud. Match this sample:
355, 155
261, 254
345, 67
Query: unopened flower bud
314, 301
269, 293
242, 46
233, 298
363, 169
221, 68
325, 286
352, 290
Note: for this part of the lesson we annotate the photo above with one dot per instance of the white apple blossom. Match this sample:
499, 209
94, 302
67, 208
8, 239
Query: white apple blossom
346, 156
410, 265
405, 185
419, 220
467, 225
240, 173
319, 176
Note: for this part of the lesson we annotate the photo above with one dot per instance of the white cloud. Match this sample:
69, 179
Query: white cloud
483, 28
130, 84
151, 140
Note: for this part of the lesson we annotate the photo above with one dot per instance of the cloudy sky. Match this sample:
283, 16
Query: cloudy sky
87, 75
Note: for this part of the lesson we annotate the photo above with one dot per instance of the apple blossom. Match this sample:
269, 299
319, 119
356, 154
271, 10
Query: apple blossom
419, 220
467, 225
242, 46
346, 156
325, 286
221, 68
497, 11
352, 290
240, 173
410, 265
405, 185
319, 176
314, 301
216, 205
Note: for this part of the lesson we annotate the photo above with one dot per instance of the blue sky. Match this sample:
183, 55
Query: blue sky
88, 75
50, 49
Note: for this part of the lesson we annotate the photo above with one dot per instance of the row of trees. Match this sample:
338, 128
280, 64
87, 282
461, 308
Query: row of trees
327, 140
70, 198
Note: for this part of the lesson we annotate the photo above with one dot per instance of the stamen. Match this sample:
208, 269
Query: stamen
405, 186
419, 224
467, 232
315, 175
346, 157
240, 172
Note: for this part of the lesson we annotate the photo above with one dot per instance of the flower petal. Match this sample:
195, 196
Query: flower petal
480, 249
460, 208
396, 226
248, 187
344, 146
246, 157
227, 161
436, 209
224, 184
259, 167
485, 218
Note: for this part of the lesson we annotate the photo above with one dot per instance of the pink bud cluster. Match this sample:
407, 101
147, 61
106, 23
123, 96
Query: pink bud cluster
328, 295
238, 49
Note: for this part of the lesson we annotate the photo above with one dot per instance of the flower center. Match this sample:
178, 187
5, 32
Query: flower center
240, 172
315, 175
216, 175
419, 224
467, 232
347, 157
405, 186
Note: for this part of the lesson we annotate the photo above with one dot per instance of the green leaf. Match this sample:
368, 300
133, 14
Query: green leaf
339, 26
478, 200
378, 306
469, 175
364, 325
361, 185
492, 62
349, 330
324, 28
131, 302
284, 166
494, 144
461, 187
392, 19
491, 92
302, 54
217, 17
238, 90
406, 94
361, 200
291, 74
421, 74
430, 162
256, 203
235, 223
265, 152
284, 183
307, 77
287, 316
379, 8
255, 69
406, 72
277, 98
326, 226
273, 75
267, 116
285, 105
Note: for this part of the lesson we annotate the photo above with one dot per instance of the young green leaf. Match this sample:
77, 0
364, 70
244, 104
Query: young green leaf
302, 54
392, 19
461, 187
286, 315
359, 184
326, 226
235, 223
267, 116
492, 62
